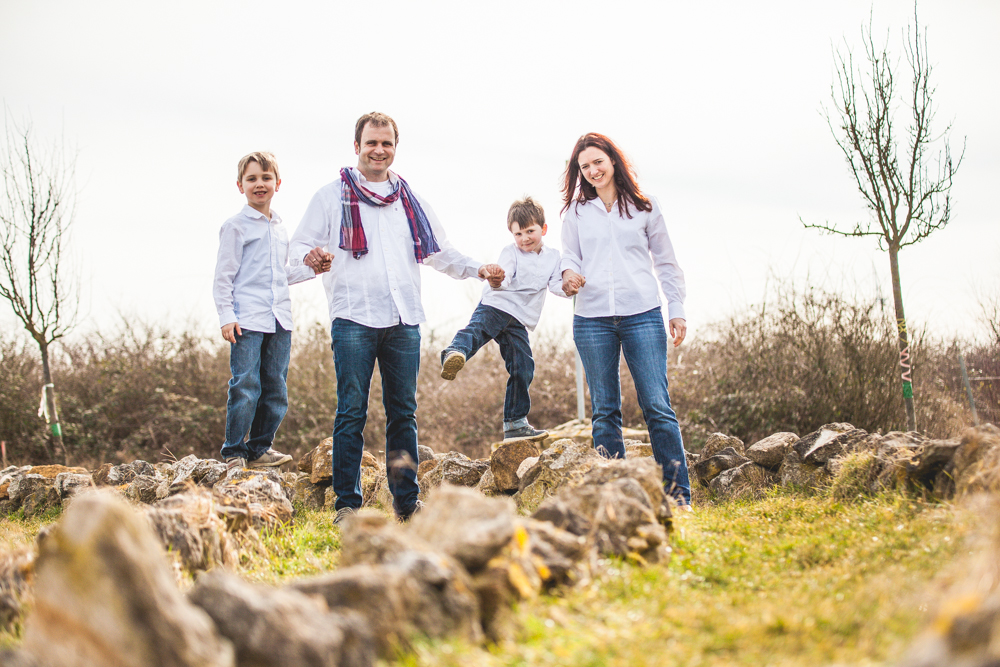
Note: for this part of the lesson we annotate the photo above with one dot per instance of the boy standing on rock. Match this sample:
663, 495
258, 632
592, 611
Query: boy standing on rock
508, 309
251, 295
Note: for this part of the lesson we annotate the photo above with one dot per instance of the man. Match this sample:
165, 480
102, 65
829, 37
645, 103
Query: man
384, 231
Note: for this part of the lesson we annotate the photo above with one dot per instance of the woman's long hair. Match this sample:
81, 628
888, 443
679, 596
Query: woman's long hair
576, 188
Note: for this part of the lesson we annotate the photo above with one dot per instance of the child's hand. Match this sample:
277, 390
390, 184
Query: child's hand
572, 282
492, 273
227, 332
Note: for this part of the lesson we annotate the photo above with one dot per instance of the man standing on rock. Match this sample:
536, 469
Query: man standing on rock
384, 231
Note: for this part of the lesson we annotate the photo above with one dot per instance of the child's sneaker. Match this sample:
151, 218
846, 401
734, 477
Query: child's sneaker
451, 363
526, 432
234, 465
270, 459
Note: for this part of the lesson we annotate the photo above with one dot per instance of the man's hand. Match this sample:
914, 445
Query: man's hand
572, 282
228, 332
319, 260
492, 273
678, 329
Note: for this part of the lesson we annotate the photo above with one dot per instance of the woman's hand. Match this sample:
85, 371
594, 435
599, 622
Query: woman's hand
319, 260
678, 329
572, 282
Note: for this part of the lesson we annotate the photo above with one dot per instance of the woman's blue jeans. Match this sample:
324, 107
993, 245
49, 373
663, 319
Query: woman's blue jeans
356, 348
258, 397
643, 340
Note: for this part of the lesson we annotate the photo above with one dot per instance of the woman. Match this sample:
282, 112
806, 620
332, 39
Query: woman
614, 240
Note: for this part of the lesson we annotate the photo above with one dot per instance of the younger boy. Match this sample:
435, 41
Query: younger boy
251, 295
508, 308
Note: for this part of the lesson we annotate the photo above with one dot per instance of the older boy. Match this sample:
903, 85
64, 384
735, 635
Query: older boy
384, 231
251, 295
508, 308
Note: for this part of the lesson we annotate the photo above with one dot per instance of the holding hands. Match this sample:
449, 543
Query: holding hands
572, 282
492, 273
319, 260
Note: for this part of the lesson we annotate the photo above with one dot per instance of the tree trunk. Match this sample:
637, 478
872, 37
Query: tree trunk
50, 401
904, 343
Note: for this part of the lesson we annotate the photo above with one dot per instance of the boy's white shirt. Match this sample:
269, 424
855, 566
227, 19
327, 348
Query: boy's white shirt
618, 256
382, 288
527, 275
252, 274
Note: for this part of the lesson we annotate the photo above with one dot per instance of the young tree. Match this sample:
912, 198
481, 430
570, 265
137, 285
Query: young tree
903, 171
36, 211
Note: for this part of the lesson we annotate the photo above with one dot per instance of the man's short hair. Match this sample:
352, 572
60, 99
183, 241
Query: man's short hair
266, 161
525, 212
377, 119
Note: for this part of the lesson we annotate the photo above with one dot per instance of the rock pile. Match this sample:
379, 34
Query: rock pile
105, 593
852, 460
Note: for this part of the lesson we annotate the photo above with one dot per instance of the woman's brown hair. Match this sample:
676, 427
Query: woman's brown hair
576, 188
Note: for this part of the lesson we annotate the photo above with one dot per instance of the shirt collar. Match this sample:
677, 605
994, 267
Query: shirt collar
361, 177
252, 213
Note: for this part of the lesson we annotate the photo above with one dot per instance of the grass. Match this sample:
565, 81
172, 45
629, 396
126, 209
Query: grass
788, 579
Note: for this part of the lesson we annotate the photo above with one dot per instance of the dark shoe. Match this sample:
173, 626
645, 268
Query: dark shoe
416, 508
524, 433
234, 465
270, 459
343, 513
451, 364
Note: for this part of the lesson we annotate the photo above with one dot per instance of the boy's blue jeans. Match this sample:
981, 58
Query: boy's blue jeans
258, 397
488, 323
643, 339
356, 348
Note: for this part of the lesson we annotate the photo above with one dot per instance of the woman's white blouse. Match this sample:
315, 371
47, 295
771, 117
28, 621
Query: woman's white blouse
619, 257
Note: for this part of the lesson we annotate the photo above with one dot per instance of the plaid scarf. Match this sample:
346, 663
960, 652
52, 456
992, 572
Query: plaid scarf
352, 234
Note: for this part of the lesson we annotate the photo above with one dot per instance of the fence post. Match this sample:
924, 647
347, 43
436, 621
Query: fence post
968, 389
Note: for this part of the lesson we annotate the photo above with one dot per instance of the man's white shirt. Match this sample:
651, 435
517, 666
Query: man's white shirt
252, 274
382, 288
618, 256
526, 277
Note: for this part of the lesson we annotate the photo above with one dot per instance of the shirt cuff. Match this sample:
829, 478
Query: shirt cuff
227, 317
675, 309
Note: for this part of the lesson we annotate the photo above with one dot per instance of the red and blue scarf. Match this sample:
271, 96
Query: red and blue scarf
352, 234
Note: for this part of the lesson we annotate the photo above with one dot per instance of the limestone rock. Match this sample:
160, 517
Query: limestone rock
425, 467
39, 501
51, 471
825, 450
526, 465
464, 524
819, 437
265, 491
487, 485
424, 453
562, 462
310, 496
747, 477
618, 517
69, 484
635, 449
282, 627
200, 527
795, 472
321, 469
505, 460
104, 594
398, 584
454, 468
709, 468
645, 471
717, 442
772, 450
144, 489
21, 487
15, 574
110, 475
975, 467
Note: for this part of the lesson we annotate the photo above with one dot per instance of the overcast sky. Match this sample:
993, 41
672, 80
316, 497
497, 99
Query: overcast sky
717, 103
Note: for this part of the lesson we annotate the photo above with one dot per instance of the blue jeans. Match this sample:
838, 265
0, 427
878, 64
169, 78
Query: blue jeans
643, 339
356, 348
488, 323
258, 397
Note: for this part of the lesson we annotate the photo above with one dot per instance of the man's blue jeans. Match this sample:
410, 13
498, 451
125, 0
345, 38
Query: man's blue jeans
258, 397
643, 339
488, 323
356, 348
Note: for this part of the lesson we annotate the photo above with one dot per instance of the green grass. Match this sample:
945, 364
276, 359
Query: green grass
789, 579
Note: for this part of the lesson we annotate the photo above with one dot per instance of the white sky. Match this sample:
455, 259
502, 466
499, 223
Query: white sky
717, 103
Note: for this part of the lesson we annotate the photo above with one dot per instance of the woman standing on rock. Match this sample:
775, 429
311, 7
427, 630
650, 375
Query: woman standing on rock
616, 257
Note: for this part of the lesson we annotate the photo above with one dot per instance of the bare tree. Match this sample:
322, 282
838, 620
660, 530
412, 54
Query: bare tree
903, 171
36, 212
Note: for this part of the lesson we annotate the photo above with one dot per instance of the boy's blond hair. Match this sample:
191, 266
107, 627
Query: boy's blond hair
266, 160
525, 212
